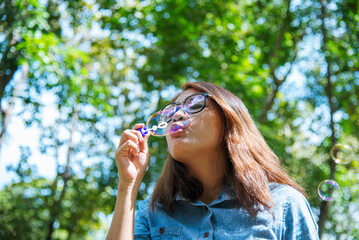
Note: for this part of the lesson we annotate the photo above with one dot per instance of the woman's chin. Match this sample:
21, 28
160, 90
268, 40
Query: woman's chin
176, 154
182, 151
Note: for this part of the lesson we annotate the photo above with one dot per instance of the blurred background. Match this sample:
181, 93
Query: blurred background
75, 74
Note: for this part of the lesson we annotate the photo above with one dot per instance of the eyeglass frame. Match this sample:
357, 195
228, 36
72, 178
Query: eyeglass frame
183, 105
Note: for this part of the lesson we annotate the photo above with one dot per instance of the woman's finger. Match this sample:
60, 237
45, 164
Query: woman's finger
138, 126
130, 135
125, 148
143, 144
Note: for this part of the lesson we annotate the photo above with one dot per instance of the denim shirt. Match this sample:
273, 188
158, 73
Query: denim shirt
293, 219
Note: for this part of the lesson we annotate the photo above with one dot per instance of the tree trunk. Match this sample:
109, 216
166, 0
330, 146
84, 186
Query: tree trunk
4, 80
325, 205
6, 114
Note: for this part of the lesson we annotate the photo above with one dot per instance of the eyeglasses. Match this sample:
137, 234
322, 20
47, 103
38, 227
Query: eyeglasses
192, 104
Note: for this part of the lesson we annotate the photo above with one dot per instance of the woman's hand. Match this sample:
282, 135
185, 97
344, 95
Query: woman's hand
132, 156
132, 160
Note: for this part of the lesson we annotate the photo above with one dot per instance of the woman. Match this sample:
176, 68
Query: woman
220, 180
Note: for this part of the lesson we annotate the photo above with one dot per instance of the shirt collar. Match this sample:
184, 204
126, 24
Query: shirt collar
223, 196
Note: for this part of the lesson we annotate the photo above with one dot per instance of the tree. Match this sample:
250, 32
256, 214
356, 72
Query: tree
110, 64
26, 37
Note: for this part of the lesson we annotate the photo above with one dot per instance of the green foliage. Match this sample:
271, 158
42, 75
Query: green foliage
110, 64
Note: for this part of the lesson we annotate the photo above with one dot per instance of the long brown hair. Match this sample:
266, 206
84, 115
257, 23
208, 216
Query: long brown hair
251, 166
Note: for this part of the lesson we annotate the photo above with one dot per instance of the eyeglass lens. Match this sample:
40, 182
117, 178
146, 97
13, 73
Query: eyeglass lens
193, 104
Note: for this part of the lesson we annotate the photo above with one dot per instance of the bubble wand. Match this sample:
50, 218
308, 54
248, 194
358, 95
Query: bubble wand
156, 125
145, 130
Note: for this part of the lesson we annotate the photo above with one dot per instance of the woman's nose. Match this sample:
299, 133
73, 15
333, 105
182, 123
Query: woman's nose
180, 115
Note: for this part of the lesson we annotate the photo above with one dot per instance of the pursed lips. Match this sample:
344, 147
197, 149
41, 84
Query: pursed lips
176, 126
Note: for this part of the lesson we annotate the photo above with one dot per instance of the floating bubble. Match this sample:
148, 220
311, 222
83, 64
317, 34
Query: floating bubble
328, 190
342, 154
157, 126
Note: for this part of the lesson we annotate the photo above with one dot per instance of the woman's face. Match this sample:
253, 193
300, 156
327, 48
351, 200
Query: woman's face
201, 135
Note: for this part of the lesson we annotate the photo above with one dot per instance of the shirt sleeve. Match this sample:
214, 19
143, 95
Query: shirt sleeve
298, 218
141, 227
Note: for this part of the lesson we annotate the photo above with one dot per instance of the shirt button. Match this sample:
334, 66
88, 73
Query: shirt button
161, 230
206, 235
205, 208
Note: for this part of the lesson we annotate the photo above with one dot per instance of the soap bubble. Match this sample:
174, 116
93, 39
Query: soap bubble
157, 126
342, 154
328, 190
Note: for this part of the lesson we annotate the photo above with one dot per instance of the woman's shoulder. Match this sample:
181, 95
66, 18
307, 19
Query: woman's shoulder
289, 201
284, 191
143, 206
286, 196
293, 209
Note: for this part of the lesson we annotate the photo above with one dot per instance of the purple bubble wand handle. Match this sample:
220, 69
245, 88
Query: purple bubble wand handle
143, 130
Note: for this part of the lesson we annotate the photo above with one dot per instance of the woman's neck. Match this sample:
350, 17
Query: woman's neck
209, 170
210, 194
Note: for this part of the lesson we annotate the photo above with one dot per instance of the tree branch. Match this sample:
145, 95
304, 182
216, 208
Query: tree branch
282, 30
277, 82
65, 176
